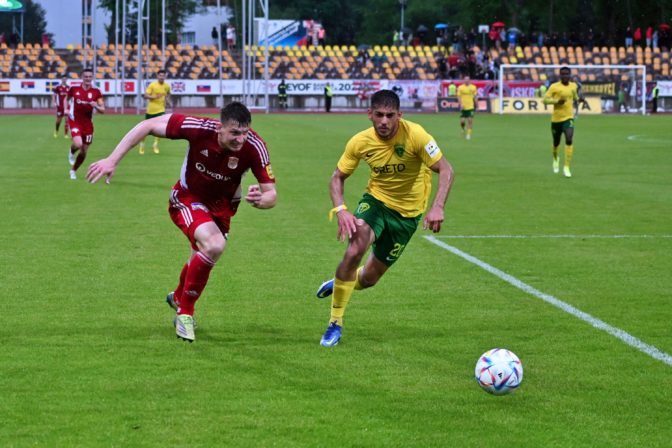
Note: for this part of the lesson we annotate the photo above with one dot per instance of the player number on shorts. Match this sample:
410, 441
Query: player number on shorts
88, 139
397, 250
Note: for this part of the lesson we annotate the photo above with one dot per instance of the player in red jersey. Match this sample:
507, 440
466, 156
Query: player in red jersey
82, 101
208, 193
60, 94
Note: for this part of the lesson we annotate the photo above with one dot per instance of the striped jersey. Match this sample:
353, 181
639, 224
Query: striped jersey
214, 174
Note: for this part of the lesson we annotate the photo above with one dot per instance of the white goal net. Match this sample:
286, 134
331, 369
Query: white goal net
620, 88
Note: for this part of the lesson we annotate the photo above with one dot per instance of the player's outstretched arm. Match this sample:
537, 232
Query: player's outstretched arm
106, 167
346, 220
434, 217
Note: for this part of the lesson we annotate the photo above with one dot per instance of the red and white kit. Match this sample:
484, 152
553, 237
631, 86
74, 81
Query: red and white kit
209, 188
80, 112
60, 93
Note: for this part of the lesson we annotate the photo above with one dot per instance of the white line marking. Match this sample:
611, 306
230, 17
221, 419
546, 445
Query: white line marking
597, 323
551, 236
645, 139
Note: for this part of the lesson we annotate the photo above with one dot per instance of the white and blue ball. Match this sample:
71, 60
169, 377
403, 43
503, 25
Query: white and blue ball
499, 371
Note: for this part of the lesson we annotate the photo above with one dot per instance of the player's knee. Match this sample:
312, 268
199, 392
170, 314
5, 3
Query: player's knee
213, 246
568, 141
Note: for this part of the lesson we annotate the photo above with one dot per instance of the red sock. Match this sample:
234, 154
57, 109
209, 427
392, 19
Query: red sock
194, 282
180, 286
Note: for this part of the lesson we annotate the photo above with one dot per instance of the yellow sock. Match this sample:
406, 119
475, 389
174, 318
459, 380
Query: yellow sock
358, 286
469, 131
569, 152
156, 141
555, 152
342, 292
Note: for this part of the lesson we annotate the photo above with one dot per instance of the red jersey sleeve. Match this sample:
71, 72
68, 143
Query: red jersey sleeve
261, 166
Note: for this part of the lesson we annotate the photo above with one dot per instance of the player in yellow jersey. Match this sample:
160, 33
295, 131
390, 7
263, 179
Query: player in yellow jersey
562, 95
401, 156
158, 94
468, 95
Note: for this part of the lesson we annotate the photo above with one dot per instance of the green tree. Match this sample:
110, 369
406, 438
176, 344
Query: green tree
34, 23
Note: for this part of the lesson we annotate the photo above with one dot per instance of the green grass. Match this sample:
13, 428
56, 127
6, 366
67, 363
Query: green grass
89, 356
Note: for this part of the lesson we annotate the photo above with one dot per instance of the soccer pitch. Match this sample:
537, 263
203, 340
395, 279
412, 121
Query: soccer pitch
90, 358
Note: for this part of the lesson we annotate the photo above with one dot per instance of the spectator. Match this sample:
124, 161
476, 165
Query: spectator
649, 37
590, 38
46, 42
628, 37
14, 40
231, 36
637, 37
3, 39
215, 36
396, 38
541, 39
654, 40
321, 35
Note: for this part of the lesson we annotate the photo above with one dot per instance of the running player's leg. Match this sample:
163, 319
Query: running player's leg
569, 149
557, 135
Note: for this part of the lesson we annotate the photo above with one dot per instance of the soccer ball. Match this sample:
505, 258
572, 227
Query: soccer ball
499, 371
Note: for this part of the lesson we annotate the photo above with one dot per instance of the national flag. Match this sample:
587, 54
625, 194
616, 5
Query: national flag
27, 84
4, 86
178, 86
129, 86
202, 89
51, 85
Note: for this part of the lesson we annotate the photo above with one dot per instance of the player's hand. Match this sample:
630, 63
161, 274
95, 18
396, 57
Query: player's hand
97, 170
346, 225
561, 101
253, 196
433, 220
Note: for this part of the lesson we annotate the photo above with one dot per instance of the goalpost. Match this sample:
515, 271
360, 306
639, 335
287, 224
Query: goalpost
632, 78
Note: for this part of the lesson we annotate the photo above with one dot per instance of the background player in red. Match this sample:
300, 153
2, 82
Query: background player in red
60, 94
82, 100
208, 193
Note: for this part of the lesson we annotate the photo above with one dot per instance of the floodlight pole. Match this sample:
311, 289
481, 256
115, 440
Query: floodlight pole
403, 4
123, 54
219, 51
141, 7
116, 52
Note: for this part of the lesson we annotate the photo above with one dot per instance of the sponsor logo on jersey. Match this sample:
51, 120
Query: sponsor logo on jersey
432, 148
233, 163
218, 176
399, 149
269, 171
389, 168
205, 152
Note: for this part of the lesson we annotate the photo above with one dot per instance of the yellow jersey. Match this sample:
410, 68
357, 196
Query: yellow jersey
467, 95
158, 105
400, 176
559, 91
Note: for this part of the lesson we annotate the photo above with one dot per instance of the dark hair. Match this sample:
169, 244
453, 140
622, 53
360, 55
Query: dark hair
237, 112
161, 71
566, 68
86, 69
385, 98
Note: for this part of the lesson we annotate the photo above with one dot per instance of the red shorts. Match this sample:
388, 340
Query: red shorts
187, 212
60, 111
78, 130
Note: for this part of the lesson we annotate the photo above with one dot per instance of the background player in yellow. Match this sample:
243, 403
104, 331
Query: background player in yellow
468, 95
158, 94
562, 95
401, 156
